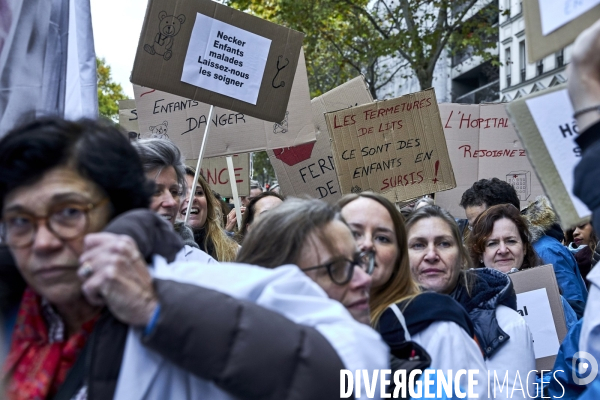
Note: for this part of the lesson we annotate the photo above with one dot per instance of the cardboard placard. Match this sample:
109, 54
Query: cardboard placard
309, 169
550, 25
483, 144
544, 122
393, 146
211, 53
183, 121
128, 118
215, 172
538, 301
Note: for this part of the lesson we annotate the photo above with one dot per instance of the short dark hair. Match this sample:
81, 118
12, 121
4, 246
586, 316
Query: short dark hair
490, 192
96, 150
248, 217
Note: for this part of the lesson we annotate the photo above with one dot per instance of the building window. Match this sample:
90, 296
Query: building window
560, 58
539, 67
507, 65
507, 6
522, 60
521, 7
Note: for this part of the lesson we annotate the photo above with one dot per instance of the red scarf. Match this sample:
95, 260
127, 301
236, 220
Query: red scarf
35, 367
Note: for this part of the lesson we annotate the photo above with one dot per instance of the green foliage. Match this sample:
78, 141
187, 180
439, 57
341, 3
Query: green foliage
262, 170
109, 92
378, 38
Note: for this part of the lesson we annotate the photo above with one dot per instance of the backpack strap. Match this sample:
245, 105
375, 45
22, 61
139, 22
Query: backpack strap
401, 319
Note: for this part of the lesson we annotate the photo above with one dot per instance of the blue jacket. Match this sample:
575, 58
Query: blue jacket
562, 373
551, 251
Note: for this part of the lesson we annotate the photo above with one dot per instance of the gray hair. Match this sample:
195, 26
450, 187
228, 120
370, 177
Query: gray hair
161, 153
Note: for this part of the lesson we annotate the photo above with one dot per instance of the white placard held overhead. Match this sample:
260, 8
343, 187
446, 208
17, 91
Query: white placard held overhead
225, 59
534, 306
553, 115
556, 13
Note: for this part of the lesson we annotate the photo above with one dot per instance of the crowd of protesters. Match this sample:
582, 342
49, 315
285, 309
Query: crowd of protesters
107, 293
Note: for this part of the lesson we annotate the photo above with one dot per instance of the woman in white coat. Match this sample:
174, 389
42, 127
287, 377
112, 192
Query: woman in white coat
440, 263
435, 322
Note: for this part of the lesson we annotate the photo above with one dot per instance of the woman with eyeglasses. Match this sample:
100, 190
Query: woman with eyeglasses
311, 235
105, 317
435, 321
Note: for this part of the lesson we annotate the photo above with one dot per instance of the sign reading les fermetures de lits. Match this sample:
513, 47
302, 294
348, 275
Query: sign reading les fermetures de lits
394, 146
205, 51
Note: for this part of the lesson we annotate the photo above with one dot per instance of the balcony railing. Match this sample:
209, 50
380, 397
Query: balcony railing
485, 94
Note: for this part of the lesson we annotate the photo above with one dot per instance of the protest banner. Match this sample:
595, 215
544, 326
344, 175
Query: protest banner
539, 303
309, 169
128, 119
211, 53
550, 25
393, 146
544, 122
183, 121
483, 144
216, 173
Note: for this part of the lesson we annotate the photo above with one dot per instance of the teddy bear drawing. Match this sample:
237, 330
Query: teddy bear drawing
169, 26
159, 131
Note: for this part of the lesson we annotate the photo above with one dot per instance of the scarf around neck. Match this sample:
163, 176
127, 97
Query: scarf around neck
40, 355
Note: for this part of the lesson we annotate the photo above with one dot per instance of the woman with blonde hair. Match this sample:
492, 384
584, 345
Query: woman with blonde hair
400, 311
206, 220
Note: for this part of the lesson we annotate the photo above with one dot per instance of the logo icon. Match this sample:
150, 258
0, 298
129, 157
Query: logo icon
583, 364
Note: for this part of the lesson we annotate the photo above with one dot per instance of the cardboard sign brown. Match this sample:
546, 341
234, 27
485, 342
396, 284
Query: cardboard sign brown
128, 118
215, 172
183, 121
395, 146
540, 45
483, 144
309, 169
544, 122
538, 301
166, 39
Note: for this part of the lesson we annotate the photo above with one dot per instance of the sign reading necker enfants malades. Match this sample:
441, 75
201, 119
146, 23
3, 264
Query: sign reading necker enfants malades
393, 146
225, 59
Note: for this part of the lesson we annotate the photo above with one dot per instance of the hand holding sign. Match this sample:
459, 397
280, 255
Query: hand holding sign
584, 75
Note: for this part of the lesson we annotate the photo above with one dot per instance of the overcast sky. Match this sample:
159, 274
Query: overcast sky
117, 25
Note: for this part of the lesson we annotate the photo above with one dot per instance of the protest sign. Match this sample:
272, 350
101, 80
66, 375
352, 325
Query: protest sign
128, 118
211, 53
483, 144
395, 146
539, 303
309, 169
550, 25
183, 121
544, 121
215, 172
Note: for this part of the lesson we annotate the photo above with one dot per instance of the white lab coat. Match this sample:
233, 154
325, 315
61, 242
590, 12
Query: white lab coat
145, 375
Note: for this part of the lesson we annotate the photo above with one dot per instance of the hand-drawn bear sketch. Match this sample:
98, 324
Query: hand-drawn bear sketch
283, 126
159, 131
169, 26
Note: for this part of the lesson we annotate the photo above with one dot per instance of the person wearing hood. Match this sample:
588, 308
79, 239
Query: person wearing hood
486, 294
584, 92
542, 221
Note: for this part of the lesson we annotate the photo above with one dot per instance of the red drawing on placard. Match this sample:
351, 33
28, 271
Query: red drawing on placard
294, 155
437, 166
148, 92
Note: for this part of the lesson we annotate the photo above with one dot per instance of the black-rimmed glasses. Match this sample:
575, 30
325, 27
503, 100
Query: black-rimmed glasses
67, 221
341, 270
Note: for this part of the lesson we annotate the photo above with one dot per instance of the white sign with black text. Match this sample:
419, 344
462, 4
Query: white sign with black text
534, 306
225, 59
553, 115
